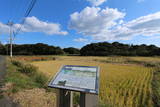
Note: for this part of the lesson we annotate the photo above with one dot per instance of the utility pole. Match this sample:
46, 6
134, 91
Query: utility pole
10, 23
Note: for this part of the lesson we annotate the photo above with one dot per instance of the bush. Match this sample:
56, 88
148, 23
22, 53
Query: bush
28, 69
150, 65
31, 72
16, 63
40, 78
54, 58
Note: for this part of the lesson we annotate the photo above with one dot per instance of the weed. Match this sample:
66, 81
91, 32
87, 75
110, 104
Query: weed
16, 63
28, 69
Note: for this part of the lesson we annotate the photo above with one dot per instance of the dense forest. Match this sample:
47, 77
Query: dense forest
116, 48
31, 49
93, 49
72, 51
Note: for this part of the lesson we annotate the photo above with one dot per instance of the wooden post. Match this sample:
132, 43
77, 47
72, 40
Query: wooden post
64, 98
88, 100
71, 99
82, 99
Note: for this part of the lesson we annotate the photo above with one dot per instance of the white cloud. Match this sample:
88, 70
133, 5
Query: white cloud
4, 28
96, 2
80, 40
146, 25
108, 24
33, 24
94, 21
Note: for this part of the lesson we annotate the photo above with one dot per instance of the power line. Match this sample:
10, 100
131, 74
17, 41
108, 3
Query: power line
28, 11
10, 23
32, 4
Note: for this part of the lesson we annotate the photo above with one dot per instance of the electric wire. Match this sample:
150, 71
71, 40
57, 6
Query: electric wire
28, 11
10, 22
17, 9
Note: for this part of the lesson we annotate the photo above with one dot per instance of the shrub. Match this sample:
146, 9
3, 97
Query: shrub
16, 63
40, 78
28, 69
53, 58
23, 76
150, 65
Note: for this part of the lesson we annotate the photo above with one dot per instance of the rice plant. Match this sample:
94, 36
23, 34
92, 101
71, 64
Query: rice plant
121, 85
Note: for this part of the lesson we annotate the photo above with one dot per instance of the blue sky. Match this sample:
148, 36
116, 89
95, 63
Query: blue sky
75, 23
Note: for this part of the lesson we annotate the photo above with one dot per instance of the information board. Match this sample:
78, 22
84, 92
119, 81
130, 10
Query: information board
77, 78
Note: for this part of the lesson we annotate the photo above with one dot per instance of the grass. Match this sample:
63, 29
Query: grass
122, 84
35, 58
21, 79
27, 87
124, 81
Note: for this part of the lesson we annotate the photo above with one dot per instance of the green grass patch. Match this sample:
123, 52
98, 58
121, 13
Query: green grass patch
24, 76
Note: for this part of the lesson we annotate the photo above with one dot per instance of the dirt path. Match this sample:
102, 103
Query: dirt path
2, 67
4, 100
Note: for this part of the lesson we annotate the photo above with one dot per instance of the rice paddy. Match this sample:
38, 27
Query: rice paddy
122, 84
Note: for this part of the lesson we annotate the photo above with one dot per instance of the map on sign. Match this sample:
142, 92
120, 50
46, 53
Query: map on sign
77, 78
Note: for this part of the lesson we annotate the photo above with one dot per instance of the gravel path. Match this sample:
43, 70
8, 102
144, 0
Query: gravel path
4, 101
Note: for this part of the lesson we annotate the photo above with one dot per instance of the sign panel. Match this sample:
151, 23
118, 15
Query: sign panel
77, 78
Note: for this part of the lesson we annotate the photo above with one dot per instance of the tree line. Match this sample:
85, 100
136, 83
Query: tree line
31, 49
93, 49
116, 48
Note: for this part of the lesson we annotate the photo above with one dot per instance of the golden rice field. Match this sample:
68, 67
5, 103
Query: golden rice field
121, 84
